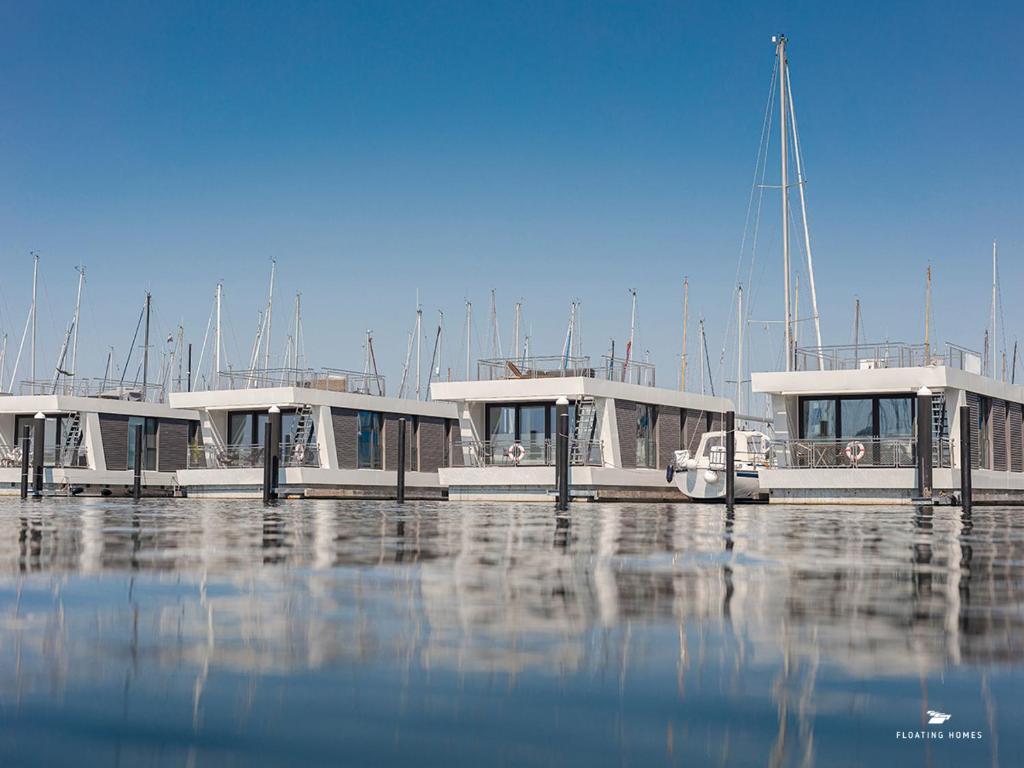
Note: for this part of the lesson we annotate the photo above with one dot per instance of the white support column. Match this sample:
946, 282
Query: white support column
325, 437
93, 442
609, 432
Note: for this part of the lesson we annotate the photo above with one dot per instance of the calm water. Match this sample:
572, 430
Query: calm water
351, 633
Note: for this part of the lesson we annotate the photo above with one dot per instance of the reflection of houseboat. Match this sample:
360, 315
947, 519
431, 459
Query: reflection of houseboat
623, 430
338, 435
845, 422
89, 437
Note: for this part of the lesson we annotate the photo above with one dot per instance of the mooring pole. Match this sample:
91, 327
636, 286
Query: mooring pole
137, 479
38, 442
965, 458
924, 444
274, 447
730, 460
562, 454
268, 461
26, 446
400, 491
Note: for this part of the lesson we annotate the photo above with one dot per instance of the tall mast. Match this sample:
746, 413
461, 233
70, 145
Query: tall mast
469, 336
270, 314
992, 339
440, 342
419, 346
35, 282
632, 334
298, 330
216, 333
145, 349
78, 309
701, 327
856, 329
803, 217
517, 317
739, 349
927, 315
686, 316
780, 46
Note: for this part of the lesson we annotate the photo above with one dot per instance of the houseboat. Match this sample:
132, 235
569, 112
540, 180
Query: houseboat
89, 437
846, 422
338, 433
624, 430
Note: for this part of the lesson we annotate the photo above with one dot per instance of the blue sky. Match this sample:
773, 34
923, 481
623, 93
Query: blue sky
546, 150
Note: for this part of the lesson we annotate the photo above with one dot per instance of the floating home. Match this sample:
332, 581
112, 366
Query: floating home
337, 433
846, 423
89, 437
624, 430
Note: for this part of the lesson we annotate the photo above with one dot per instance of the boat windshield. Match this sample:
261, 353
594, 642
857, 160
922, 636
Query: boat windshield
711, 442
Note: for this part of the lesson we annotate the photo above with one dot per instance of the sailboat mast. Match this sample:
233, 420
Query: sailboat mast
803, 217
145, 349
928, 315
739, 349
217, 344
78, 309
992, 341
419, 347
686, 315
701, 327
298, 330
517, 317
780, 43
632, 335
270, 314
35, 282
469, 336
440, 341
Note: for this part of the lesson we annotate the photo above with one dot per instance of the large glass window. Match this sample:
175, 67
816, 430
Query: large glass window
895, 416
149, 427
855, 417
533, 432
240, 428
819, 419
646, 454
368, 440
53, 434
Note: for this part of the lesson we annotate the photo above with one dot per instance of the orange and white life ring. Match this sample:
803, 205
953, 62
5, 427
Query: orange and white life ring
854, 451
516, 453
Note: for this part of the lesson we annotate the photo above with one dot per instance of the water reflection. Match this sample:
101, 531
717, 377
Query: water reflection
327, 632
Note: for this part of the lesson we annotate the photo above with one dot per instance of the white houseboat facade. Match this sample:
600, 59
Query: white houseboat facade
624, 431
338, 434
89, 438
845, 422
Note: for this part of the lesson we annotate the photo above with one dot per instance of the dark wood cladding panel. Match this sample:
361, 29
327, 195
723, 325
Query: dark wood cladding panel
391, 441
171, 444
695, 424
625, 418
974, 403
1015, 430
998, 431
346, 428
669, 431
432, 449
114, 435
457, 459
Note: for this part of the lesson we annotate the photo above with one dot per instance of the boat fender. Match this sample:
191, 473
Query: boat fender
670, 472
516, 453
710, 476
854, 451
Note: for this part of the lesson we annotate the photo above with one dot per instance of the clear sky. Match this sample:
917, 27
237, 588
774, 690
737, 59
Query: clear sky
548, 150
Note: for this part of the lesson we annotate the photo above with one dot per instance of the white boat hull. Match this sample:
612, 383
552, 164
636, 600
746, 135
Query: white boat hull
709, 485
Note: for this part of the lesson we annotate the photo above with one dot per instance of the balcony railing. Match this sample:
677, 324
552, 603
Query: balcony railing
105, 388
327, 379
526, 453
886, 355
555, 367
250, 456
857, 453
10, 456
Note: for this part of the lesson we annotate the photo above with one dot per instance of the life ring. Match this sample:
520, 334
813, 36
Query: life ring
854, 451
516, 452
299, 453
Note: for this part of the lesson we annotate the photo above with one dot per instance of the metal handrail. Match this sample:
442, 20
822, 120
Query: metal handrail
855, 453
889, 354
10, 456
250, 456
328, 379
527, 453
102, 388
558, 366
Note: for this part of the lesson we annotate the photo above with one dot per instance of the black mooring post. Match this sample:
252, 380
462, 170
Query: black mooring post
38, 442
562, 454
275, 450
924, 444
400, 491
268, 461
26, 446
139, 450
730, 459
965, 458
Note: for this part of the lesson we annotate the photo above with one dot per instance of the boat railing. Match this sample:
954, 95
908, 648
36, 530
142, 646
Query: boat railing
327, 379
855, 453
557, 366
78, 457
103, 388
526, 453
889, 354
251, 456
